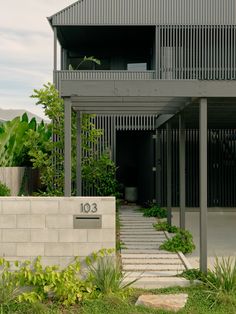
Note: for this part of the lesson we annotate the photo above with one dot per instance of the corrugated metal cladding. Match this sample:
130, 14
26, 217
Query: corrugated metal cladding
148, 12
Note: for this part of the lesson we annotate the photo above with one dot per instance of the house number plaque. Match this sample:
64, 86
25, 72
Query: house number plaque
88, 208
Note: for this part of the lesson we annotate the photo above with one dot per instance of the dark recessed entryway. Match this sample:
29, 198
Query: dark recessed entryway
135, 160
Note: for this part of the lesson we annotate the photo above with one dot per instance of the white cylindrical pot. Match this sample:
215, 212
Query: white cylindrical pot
131, 194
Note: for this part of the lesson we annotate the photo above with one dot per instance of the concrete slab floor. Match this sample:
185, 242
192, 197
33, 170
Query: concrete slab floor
221, 235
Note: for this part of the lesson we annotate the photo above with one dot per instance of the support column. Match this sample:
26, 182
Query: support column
54, 55
67, 147
157, 52
158, 167
78, 155
169, 173
203, 183
182, 183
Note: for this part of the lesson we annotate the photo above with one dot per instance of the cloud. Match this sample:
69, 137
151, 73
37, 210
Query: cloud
26, 49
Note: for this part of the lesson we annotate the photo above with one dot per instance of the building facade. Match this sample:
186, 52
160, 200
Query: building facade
158, 59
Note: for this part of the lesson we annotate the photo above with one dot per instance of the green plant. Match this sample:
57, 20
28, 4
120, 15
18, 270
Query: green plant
85, 59
155, 211
13, 138
193, 274
4, 190
105, 273
9, 286
181, 242
164, 226
100, 173
221, 281
97, 169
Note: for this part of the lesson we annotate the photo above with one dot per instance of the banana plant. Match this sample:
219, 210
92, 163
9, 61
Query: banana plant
13, 137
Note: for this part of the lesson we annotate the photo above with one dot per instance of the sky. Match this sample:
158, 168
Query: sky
26, 50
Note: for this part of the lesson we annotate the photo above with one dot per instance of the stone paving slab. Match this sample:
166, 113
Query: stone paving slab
154, 267
158, 255
141, 256
155, 261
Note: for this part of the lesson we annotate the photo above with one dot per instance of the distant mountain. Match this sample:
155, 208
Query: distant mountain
9, 114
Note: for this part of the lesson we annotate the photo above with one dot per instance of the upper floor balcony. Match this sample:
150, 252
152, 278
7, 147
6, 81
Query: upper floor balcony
128, 53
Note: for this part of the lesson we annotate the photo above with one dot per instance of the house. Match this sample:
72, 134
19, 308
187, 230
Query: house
165, 94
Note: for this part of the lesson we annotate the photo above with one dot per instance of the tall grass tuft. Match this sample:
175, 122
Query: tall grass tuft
107, 276
221, 281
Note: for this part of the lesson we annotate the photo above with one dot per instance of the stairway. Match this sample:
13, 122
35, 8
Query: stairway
140, 254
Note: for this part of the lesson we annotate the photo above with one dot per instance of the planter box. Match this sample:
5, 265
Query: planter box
12, 177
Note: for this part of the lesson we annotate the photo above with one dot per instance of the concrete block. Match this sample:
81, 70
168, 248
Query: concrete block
0, 206
50, 261
59, 221
75, 235
16, 206
44, 235
109, 245
30, 221
44, 206
102, 235
7, 221
69, 206
66, 261
30, 249
15, 235
108, 221
58, 249
7, 249
85, 249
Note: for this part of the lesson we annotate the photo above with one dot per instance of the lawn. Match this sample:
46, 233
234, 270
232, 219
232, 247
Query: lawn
197, 304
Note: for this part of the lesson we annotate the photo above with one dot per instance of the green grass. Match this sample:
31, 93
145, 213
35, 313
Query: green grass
198, 303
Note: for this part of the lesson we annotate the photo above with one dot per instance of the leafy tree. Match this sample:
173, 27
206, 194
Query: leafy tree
49, 157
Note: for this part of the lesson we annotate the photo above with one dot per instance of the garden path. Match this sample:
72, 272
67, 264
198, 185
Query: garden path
140, 254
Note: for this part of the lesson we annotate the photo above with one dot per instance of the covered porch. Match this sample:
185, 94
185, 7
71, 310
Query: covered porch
185, 103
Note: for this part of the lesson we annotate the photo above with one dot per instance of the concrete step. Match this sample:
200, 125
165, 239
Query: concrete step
139, 251
158, 282
151, 273
153, 261
144, 244
152, 267
157, 255
146, 240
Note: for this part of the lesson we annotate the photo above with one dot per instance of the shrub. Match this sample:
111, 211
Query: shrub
155, 211
4, 190
105, 273
181, 242
9, 288
164, 226
193, 274
221, 281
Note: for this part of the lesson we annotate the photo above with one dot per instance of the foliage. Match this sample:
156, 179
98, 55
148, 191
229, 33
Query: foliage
85, 59
193, 274
164, 226
105, 273
9, 288
64, 286
48, 157
221, 281
155, 211
181, 242
13, 138
4, 190
101, 173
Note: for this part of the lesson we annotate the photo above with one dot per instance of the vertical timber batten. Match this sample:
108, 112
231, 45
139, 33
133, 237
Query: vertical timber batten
182, 183
169, 172
67, 147
203, 183
54, 55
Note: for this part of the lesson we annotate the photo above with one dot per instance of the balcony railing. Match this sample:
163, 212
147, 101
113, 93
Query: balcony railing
164, 73
104, 75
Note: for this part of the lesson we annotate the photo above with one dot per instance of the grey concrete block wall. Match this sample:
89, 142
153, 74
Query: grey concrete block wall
43, 226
